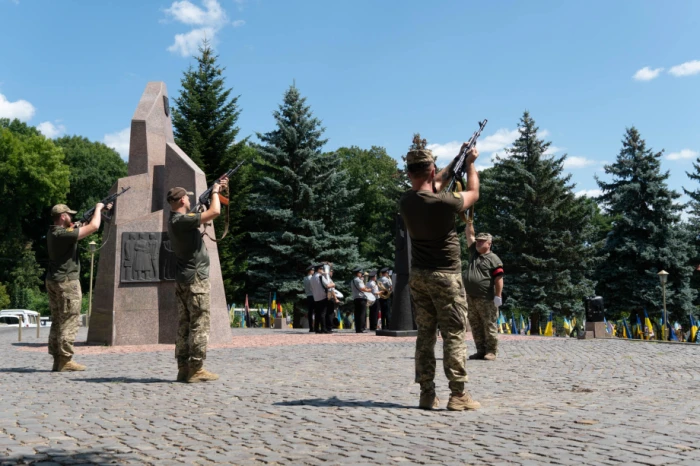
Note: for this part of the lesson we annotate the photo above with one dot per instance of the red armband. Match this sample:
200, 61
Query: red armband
497, 272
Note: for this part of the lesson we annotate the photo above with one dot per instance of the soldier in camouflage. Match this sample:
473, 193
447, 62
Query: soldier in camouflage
435, 279
192, 287
63, 284
484, 285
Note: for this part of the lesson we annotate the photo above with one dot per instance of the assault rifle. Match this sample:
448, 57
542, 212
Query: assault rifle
87, 216
460, 169
205, 198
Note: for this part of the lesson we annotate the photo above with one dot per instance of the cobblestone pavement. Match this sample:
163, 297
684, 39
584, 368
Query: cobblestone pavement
545, 401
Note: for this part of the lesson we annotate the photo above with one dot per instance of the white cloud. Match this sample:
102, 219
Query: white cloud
20, 109
50, 130
688, 68
207, 22
578, 162
647, 74
119, 141
188, 13
188, 44
682, 155
553, 150
589, 193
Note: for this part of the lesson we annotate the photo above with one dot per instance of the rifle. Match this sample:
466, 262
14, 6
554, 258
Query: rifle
205, 201
459, 170
87, 216
205, 198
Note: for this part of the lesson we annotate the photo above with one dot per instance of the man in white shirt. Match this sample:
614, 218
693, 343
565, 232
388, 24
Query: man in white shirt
360, 299
320, 300
374, 307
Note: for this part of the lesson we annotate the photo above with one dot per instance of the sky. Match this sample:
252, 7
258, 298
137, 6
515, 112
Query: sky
376, 72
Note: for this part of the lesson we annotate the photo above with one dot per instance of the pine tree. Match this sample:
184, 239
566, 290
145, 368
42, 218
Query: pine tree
300, 211
25, 278
646, 236
542, 232
204, 120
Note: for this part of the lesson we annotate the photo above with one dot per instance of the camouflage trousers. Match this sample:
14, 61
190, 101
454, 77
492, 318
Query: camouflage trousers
193, 322
483, 315
440, 300
65, 301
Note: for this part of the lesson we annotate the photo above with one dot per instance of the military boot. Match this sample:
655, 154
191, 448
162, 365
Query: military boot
428, 400
68, 365
200, 375
490, 356
462, 402
477, 356
55, 364
183, 370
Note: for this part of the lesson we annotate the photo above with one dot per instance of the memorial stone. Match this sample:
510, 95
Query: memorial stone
134, 296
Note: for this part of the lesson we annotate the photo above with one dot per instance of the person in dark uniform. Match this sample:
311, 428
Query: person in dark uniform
359, 299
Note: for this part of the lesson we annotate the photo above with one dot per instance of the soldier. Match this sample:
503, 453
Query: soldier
484, 285
192, 282
374, 306
320, 300
309, 297
384, 307
63, 284
435, 279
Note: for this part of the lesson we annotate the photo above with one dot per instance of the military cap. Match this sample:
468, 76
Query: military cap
176, 194
372, 273
59, 209
419, 156
485, 236
311, 267
385, 269
357, 270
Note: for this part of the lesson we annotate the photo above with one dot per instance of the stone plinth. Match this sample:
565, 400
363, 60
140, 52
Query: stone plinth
595, 330
280, 322
134, 295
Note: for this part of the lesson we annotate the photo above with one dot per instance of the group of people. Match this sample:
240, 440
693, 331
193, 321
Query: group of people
440, 294
323, 298
192, 288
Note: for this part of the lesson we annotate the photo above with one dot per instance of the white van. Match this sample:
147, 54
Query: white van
13, 317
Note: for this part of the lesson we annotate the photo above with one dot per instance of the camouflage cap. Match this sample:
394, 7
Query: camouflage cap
176, 194
419, 156
484, 236
59, 209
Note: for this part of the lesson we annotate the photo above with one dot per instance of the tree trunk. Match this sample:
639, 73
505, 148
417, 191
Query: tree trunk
534, 324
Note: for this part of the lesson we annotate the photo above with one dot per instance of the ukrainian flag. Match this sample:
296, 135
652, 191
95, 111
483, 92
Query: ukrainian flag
693, 330
639, 332
626, 329
647, 324
549, 329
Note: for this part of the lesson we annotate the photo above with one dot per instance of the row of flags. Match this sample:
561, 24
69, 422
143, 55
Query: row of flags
648, 330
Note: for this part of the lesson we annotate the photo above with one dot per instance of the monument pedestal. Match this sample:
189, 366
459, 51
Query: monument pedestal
594, 330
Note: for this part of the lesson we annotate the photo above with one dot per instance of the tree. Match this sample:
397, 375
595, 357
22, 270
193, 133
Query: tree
33, 177
646, 236
204, 119
4, 297
543, 233
25, 279
300, 210
377, 177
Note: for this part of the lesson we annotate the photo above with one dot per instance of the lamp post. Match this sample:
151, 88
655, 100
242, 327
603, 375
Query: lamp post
93, 247
663, 276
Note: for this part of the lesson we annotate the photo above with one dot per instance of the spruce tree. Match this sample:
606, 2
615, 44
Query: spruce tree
542, 232
204, 120
300, 211
646, 236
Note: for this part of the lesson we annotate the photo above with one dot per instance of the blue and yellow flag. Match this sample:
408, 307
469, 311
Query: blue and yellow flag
648, 327
693, 330
549, 329
626, 329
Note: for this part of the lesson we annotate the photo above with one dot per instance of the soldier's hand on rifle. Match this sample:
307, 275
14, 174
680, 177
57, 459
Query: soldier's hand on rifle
109, 206
99, 206
472, 154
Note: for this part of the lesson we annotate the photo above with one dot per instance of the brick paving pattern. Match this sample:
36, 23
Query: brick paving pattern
290, 397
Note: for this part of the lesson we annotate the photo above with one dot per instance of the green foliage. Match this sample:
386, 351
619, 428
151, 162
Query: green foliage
25, 279
300, 211
204, 119
646, 236
379, 184
4, 297
33, 177
542, 232
94, 168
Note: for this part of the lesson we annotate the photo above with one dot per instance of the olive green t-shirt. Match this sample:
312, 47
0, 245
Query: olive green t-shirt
63, 253
188, 246
481, 273
430, 222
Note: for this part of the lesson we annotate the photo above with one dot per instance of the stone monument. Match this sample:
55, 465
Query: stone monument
595, 319
134, 298
402, 321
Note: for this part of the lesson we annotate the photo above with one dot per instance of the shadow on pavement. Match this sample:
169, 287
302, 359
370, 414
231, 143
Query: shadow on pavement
124, 380
22, 370
57, 455
335, 401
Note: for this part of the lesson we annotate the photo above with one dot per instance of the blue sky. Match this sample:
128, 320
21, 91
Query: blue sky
375, 72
